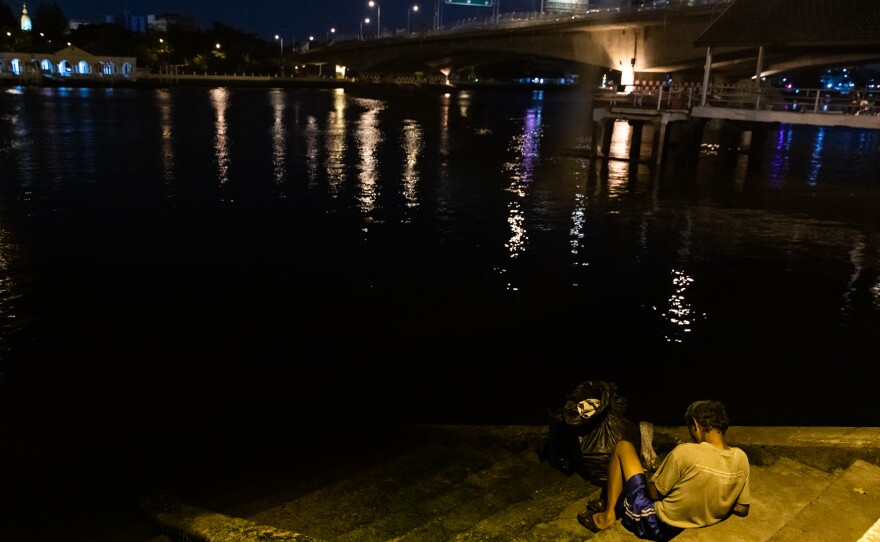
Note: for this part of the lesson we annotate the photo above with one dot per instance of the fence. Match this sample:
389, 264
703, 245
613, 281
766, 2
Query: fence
664, 96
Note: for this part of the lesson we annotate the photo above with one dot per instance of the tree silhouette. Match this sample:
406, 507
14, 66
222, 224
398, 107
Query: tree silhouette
51, 21
8, 21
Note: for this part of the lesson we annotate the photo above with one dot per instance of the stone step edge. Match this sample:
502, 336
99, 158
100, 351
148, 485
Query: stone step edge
824, 448
179, 520
873, 534
843, 495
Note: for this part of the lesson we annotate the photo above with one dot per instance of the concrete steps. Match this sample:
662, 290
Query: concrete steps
458, 487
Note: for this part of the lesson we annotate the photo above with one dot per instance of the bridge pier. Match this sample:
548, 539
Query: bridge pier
736, 135
603, 128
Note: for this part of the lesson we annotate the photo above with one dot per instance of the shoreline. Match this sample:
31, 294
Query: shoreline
254, 81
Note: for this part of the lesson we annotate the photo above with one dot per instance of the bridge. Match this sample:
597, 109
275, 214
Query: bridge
645, 42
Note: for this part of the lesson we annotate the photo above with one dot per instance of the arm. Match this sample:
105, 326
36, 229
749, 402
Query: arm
741, 510
652, 491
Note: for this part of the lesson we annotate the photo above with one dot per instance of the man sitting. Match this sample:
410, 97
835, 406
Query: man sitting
698, 484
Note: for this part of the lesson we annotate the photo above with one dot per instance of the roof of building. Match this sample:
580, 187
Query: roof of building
799, 23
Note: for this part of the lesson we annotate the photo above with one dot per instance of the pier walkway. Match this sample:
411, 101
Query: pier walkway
736, 109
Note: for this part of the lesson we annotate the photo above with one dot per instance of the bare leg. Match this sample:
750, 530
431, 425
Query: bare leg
624, 463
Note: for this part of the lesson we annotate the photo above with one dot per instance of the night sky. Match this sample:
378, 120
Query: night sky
293, 19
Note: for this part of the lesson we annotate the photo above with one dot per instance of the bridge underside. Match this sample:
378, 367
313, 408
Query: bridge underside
648, 48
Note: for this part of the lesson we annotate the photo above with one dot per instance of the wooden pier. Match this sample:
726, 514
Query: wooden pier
737, 110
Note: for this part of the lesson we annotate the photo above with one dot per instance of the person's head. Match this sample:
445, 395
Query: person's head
707, 415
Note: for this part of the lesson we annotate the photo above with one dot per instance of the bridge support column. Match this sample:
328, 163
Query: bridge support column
728, 142
603, 129
658, 145
757, 146
695, 130
635, 142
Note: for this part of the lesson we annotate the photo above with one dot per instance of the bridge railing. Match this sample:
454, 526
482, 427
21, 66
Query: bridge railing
520, 18
673, 96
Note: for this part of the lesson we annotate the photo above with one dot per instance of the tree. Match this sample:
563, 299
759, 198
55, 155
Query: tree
102, 39
51, 21
8, 21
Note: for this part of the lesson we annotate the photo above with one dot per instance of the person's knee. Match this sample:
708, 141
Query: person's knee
625, 447
628, 458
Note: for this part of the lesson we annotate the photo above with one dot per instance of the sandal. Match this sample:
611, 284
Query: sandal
586, 519
596, 505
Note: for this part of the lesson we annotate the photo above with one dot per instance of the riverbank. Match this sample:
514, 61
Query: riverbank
274, 81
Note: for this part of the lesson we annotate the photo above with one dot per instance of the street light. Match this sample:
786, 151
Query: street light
378, 18
408, 12
365, 21
332, 31
277, 37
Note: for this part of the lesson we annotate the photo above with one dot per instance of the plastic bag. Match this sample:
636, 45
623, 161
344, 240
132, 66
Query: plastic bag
585, 430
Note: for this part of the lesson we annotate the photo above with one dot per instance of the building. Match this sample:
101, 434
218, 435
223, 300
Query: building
134, 23
26, 25
162, 22
69, 65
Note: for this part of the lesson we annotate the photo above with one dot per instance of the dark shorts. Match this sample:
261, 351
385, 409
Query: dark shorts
635, 508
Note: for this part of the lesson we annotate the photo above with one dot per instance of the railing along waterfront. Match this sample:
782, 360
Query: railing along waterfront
858, 102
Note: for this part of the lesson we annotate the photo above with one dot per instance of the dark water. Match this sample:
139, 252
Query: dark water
190, 258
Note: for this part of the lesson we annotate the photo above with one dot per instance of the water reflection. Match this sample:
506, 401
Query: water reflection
10, 320
679, 312
578, 219
526, 148
220, 101
21, 145
279, 141
412, 142
857, 259
443, 147
864, 281
619, 172
312, 133
464, 102
335, 144
81, 139
166, 147
816, 157
778, 163
369, 137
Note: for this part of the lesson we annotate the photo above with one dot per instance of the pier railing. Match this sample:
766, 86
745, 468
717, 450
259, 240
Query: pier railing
791, 99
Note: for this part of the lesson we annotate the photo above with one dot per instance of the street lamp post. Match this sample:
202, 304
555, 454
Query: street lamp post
408, 13
277, 37
365, 21
372, 3
329, 34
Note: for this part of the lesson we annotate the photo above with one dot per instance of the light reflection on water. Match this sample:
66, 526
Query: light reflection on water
369, 137
525, 149
279, 140
163, 98
475, 197
335, 143
220, 101
412, 143
11, 322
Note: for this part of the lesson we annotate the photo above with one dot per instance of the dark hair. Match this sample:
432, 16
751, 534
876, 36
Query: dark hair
708, 415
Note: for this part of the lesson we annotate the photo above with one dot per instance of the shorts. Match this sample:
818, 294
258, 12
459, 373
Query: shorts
635, 508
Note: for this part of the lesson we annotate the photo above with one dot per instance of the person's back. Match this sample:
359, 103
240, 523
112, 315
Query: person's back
701, 484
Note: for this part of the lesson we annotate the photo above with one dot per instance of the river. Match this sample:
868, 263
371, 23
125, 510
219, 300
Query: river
178, 256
